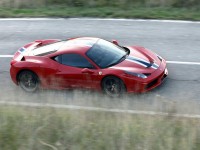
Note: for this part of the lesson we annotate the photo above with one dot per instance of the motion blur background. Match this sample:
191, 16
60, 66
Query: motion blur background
193, 4
149, 9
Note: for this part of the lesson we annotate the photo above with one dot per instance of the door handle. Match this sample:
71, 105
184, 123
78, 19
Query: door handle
88, 71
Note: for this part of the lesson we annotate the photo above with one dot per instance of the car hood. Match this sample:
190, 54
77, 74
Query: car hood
140, 60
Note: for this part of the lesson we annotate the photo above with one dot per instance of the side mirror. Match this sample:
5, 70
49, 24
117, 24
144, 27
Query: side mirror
115, 42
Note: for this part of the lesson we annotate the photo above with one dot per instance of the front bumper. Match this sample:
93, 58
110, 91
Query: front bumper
156, 82
144, 85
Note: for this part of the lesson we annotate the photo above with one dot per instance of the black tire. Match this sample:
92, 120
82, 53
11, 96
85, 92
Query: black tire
28, 81
113, 86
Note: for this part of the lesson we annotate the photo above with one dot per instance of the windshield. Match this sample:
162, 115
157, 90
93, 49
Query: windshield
106, 54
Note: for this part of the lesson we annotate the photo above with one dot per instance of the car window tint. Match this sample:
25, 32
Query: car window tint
57, 58
105, 53
76, 60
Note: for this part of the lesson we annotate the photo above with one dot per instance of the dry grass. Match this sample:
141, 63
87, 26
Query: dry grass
45, 128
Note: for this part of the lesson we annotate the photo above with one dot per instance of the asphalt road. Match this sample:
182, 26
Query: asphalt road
174, 41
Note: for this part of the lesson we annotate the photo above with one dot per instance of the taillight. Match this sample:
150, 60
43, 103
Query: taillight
13, 61
17, 54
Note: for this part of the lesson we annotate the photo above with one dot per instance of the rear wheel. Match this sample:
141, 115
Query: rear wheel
113, 86
28, 81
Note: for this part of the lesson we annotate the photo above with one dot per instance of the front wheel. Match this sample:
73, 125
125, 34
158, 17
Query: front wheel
113, 86
28, 81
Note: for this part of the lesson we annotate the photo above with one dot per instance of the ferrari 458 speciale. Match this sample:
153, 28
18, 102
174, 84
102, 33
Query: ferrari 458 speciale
87, 62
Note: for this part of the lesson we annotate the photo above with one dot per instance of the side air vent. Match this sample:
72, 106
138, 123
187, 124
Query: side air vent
23, 58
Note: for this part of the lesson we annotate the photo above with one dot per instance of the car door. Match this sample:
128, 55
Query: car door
71, 70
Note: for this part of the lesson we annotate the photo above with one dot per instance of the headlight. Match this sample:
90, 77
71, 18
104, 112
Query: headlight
159, 57
139, 75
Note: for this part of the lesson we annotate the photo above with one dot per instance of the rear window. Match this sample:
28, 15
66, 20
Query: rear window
47, 49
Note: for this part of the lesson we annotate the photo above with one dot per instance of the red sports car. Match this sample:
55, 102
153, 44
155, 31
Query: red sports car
87, 62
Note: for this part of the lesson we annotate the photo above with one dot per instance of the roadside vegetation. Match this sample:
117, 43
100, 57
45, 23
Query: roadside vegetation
59, 129
149, 9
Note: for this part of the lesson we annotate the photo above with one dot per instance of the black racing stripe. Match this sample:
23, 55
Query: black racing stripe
140, 61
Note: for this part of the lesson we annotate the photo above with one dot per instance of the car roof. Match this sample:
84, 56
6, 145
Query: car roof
72, 45
75, 44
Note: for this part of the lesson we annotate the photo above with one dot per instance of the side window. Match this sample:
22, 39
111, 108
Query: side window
57, 58
75, 60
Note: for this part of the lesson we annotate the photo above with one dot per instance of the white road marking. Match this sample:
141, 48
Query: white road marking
74, 107
183, 63
6, 56
29, 19
136, 20
99, 19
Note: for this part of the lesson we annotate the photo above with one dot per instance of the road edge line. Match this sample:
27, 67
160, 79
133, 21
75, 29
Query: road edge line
99, 19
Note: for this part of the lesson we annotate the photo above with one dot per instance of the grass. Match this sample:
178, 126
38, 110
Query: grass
58, 129
104, 12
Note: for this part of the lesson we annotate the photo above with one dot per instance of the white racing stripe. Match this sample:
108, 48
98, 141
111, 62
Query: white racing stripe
137, 62
74, 107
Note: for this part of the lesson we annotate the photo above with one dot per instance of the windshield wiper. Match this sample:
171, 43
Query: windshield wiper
117, 62
122, 58
126, 50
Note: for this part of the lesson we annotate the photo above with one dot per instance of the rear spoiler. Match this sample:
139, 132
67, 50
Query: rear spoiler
46, 42
23, 51
27, 48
